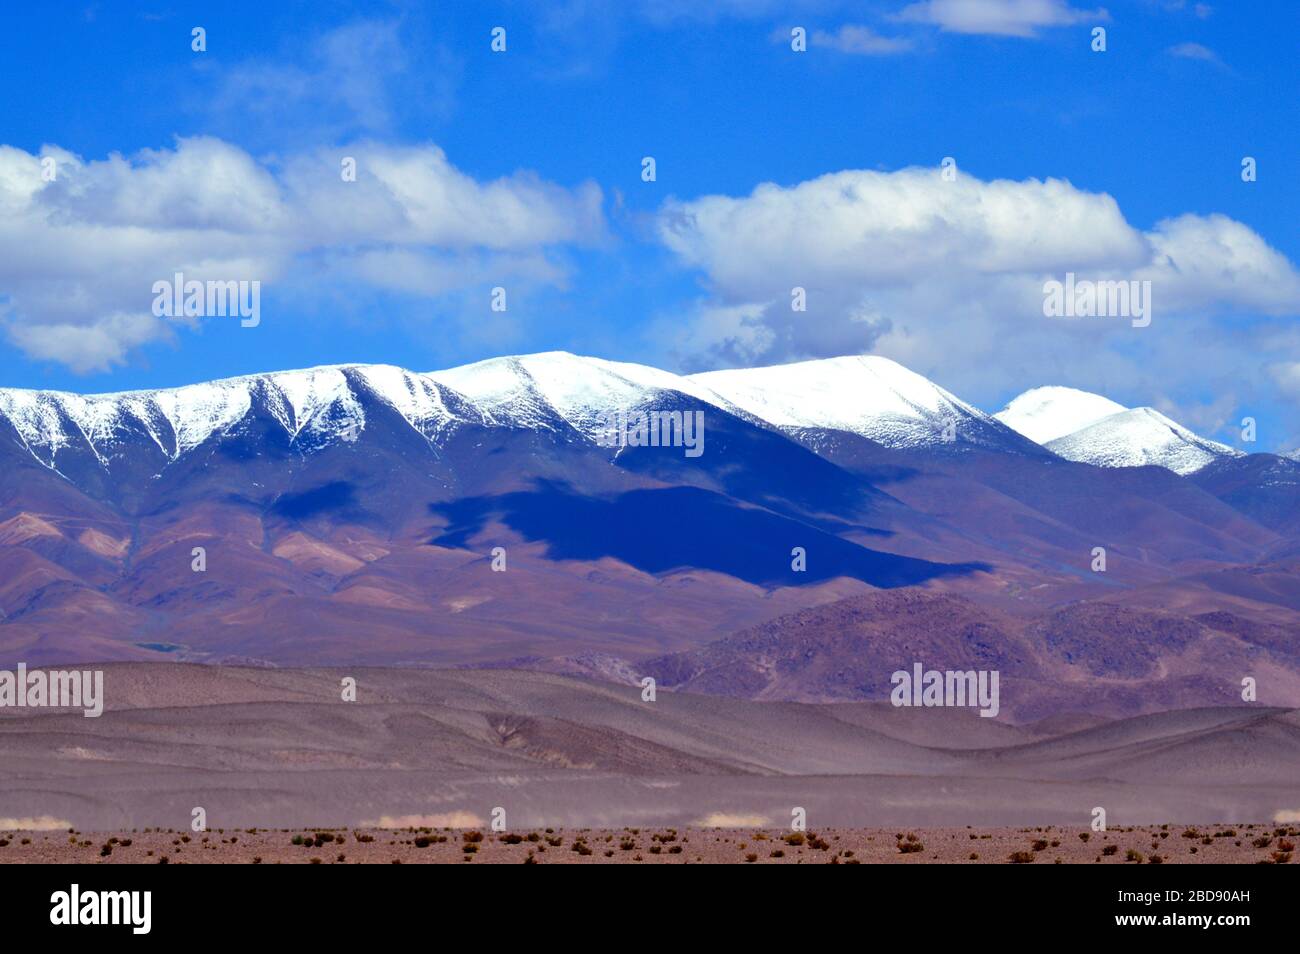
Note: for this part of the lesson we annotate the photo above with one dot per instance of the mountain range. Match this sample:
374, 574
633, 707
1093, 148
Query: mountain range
474, 516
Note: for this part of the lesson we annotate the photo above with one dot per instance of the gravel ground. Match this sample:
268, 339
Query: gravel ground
1176, 844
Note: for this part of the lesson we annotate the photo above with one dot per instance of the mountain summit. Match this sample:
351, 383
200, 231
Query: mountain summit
869, 396
1092, 429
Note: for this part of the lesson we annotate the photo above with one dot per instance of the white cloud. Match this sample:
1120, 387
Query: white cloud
1195, 51
860, 41
1023, 18
947, 277
85, 348
79, 255
887, 229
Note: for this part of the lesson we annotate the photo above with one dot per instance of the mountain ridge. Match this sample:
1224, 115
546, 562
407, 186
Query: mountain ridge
869, 396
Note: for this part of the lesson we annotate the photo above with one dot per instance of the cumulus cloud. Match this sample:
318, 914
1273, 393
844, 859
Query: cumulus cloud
1023, 18
947, 278
79, 254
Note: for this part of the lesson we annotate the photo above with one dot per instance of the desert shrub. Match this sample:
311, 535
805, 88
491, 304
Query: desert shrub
1022, 857
1109, 849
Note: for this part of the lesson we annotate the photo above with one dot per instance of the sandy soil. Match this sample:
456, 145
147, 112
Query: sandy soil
1159, 844
281, 748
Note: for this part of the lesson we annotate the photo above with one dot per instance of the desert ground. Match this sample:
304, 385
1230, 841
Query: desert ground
277, 748
1151, 844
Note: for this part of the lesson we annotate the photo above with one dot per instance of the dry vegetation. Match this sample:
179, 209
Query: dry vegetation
1153, 844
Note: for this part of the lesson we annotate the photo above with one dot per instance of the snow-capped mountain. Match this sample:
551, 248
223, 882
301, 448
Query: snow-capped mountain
317, 407
1044, 414
562, 393
866, 395
539, 390
353, 505
314, 407
1137, 438
1092, 429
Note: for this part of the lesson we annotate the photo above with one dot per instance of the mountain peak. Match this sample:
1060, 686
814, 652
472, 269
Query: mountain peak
868, 395
1139, 437
1047, 413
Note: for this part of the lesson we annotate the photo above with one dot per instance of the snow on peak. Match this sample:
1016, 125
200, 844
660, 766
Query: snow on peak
318, 401
414, 396
553, 387
196, 411
863, 394
1139, 437
867, 395
1045, 414
1092, 429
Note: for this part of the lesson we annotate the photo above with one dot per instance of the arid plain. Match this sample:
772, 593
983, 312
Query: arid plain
438, 749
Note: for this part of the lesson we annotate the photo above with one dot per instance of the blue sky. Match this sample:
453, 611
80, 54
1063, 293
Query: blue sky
522, 169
